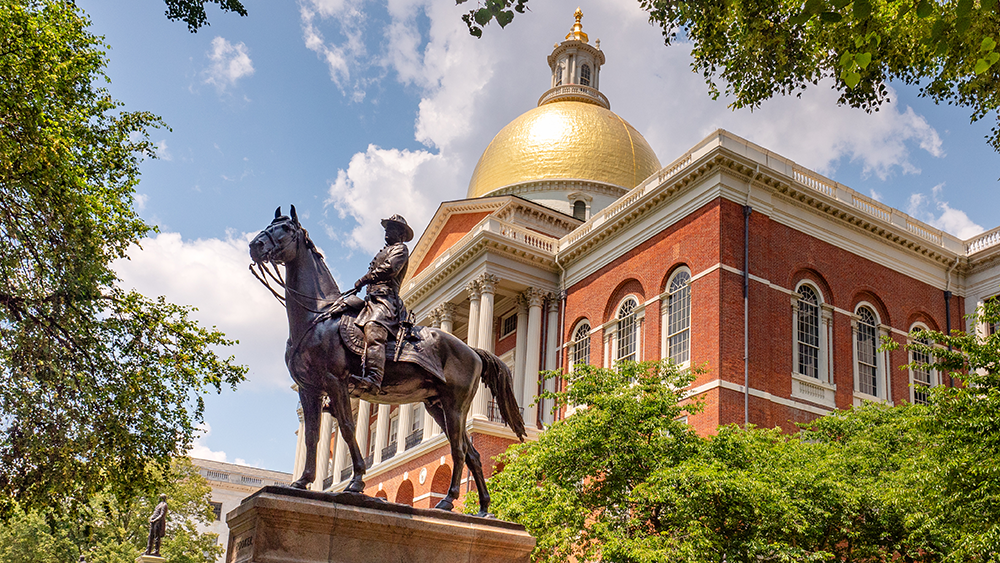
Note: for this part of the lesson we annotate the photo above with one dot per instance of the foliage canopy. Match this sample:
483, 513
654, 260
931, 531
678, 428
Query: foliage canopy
758, 49
98, 385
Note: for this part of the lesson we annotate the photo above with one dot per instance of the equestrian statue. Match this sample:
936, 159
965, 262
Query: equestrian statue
340, 346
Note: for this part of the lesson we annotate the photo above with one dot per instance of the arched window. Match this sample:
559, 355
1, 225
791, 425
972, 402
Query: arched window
921, 378
866, 352
678, 317
580, 210
627, 345
585, 75
581, 345
807, 332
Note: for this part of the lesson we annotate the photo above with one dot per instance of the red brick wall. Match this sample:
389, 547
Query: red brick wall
784, 257
457, 227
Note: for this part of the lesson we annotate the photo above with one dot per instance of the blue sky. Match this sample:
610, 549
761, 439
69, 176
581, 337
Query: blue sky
355, 110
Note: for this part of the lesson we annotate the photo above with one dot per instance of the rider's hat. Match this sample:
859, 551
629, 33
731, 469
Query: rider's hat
398, 220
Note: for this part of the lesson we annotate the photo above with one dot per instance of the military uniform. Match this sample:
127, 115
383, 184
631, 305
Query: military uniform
384, 310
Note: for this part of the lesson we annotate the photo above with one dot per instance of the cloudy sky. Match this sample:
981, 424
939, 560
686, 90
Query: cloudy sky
355, 110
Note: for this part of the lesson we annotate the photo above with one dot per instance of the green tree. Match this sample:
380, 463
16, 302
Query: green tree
624, 479
192, 12
112, 530
99, 387
761, 48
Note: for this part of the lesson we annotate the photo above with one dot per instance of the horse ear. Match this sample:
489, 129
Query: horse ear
277, 212
294, 216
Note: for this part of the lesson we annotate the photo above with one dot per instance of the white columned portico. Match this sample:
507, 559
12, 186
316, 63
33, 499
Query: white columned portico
403, 431
361, 427
339, 453
487, 288
381, 432
520, 346
551, 351
531, 357
300, 446
446, 316
323, 450
473, 338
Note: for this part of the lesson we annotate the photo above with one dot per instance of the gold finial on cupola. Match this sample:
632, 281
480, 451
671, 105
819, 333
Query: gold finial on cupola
577, 32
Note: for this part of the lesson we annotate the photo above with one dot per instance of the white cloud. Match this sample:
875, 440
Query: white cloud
200, 450
139, 201
469, 89
162, 151
936, 212
212, 275
229, 64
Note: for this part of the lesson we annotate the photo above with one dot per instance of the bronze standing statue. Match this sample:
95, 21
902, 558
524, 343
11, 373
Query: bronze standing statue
157, 527
326, 347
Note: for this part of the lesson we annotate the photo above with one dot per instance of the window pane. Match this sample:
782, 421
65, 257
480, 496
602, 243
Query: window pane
921, 376
808, 332
581, 345
867, 352
627, 326
679, 318
585, 75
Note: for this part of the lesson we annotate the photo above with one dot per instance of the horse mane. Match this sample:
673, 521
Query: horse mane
317, 255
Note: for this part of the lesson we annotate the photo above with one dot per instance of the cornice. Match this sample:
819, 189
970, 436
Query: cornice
559, 184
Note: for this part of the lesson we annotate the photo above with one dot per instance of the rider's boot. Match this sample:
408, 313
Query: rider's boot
375, 336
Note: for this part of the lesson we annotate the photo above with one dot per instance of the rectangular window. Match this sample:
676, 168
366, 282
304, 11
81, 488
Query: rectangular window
867, 359
508, 325
217, 510
393, 429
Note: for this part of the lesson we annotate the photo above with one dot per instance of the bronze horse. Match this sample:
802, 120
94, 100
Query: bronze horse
321, 364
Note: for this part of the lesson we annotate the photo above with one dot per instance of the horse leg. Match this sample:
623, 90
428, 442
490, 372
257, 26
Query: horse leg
476, 468
454, 427
341, 402
312, 402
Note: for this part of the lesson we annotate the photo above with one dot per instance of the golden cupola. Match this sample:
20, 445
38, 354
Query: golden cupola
571, 153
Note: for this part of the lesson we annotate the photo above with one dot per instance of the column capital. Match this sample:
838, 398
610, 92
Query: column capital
488, 283
553, 301
473, 289
534, 297
445, 312
434, 318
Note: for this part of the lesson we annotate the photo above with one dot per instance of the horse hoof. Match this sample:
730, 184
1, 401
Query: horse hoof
301, 484
445, 504
356, 487
485, 514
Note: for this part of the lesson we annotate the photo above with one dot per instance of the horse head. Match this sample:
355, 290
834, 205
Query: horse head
278, 243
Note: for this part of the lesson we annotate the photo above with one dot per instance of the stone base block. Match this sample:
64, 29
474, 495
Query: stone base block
285, 525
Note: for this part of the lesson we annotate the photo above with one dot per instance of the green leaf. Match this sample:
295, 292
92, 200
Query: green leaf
799, 19
830, 17
988, 5
962, 24
852, 79
847, 60
963, 9
924, 8
988, 44
863, 59
982, 65
814, 7
505, 17
839, 4
483, 16
862, 10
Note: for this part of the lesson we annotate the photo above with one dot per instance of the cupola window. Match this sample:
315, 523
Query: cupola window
585, 75
580, 210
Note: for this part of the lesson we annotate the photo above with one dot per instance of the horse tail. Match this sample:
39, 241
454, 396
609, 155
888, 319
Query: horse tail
497, 377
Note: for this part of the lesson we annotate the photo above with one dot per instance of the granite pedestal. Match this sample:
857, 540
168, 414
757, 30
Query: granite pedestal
285, 525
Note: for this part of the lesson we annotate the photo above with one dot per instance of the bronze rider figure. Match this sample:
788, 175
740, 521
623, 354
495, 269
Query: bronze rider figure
383, 310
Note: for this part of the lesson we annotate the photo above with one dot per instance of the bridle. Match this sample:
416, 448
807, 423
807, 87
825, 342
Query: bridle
266, 272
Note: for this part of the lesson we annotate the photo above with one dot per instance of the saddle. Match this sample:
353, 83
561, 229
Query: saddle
415, 347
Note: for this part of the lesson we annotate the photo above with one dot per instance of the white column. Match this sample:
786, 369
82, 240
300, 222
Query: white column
434, 319
431, 428
446, 316
323, 450
487, 287
982, 330
300, 447
531, 356
551, 351
340, 452
473, 338
405, 421
520, 345
381, 432
361, 426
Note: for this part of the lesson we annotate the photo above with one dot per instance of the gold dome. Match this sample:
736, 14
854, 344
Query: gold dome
565, 140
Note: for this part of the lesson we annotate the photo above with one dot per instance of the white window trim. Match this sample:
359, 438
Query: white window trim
934, 375
393, 419
664, 320
573, 342
883, 389
825, 336
611, 332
